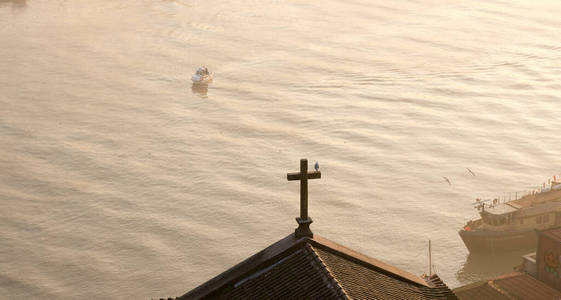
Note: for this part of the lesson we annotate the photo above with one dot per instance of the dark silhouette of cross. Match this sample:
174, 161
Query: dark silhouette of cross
304, 221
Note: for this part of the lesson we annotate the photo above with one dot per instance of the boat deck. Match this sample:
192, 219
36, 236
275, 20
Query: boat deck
529, 200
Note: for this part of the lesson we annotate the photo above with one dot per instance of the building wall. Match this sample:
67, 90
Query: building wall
529, 264
548, 260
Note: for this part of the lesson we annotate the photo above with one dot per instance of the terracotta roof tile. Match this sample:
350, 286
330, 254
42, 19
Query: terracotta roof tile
512, 286
479, 291
294, 277
524, 286
364, 282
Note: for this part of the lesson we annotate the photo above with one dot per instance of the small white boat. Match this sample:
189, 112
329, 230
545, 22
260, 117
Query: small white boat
202, 76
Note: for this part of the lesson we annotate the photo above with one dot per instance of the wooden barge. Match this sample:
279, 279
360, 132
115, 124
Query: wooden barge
512, 225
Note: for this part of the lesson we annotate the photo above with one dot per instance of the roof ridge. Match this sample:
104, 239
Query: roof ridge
507, 276
340, 291
366, 260
259, 272
256, 261
435, 281
492, 284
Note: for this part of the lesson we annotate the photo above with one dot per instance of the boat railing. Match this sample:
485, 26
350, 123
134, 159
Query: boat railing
505, 198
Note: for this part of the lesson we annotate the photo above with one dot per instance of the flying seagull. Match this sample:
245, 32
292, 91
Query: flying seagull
471, 171
316, 166
447, 180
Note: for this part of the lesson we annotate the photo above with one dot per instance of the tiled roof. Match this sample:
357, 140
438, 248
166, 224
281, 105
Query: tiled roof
316, 268
362, 281
480, 291
293, 277
512, 286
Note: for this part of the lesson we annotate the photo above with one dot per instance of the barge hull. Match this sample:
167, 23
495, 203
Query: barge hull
486, 241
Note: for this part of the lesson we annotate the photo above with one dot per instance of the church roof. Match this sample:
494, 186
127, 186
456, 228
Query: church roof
317, 268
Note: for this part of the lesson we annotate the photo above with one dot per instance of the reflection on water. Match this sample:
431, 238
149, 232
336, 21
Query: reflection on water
483, 266
200, 89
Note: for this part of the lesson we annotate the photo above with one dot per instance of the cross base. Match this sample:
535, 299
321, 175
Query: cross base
303, 229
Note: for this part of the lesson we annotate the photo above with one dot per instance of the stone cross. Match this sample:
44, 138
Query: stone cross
304, 221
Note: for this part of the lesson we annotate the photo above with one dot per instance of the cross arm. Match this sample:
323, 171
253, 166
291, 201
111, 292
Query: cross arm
297, 175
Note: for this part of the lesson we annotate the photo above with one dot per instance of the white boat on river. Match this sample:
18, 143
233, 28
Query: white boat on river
202, 76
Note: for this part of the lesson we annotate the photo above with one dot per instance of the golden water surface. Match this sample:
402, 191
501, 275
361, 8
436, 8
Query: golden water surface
119, 179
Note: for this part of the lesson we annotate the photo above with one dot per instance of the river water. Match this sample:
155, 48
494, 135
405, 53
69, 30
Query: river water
119, 179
